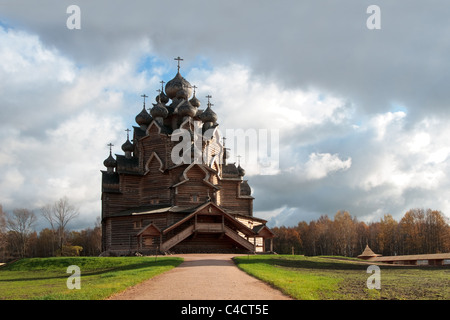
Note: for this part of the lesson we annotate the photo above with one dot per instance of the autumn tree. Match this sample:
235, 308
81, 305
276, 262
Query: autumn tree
89, 239
436, 229
387, 236
362, 236
286, 240
344, 234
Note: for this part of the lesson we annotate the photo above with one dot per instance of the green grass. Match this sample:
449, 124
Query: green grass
334, 278
46, 278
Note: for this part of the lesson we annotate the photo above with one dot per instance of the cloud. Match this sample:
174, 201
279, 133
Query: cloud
361, 115
320, 165
56, 119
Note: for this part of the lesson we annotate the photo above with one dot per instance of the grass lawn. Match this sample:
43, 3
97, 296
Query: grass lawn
46, 278
326, 278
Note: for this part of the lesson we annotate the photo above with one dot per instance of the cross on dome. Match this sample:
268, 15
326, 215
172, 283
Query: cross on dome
144, 96
239, 160
110, 145
178, 59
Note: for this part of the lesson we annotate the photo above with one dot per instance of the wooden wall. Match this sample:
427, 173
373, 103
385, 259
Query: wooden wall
229, 198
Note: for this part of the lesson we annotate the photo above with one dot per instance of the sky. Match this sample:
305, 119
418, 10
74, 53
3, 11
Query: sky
361, 114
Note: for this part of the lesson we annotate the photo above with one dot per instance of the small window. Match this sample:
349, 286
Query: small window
148, 241
194, 198
422, 262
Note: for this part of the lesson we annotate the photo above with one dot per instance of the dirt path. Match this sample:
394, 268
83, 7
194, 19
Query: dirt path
202, 277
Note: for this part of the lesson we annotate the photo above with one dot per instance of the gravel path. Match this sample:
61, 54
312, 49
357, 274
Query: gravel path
202, 277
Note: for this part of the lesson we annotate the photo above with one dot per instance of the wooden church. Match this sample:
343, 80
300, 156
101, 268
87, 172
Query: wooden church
153, 202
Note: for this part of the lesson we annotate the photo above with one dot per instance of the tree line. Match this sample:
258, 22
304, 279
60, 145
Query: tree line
19, 239
419, 231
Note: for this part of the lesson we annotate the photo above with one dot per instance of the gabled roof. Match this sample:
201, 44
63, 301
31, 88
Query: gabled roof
149, 230
162, 129
204, 168
242, 228
263, 230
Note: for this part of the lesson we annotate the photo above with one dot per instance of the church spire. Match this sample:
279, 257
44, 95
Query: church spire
128, 147
178, 83
110, 163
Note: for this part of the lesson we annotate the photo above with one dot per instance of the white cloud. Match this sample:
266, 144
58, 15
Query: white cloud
245, 100
26, 61
57, 114
386, 122
57, 120
320, 165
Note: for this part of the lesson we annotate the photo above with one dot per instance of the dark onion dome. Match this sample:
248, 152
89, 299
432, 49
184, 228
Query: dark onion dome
110, 162
127, 146
163, 98
208, 115
177, 83
159, 110
143, 118
195, 102
187, 109
241, 171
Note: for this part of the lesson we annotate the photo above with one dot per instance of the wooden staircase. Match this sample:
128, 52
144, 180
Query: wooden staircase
243, 242
177, 238
165, 246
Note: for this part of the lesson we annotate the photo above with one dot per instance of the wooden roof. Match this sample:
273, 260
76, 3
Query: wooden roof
149, 230
431, 256
243, 228
264, 231
368, 253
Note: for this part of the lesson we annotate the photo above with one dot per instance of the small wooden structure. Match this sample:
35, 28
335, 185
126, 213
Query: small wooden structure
434, 259
151, 203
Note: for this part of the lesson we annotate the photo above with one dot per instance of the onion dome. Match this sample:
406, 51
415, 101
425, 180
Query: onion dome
110, 162
208, 115
127, 146
143, 118
241, 171
163, 98
176, 84
195, 102
159, 110
187, 109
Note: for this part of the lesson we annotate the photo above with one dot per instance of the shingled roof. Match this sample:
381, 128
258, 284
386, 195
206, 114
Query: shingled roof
368, 253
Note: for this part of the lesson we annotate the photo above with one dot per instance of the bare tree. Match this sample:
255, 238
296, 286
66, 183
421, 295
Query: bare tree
59, 214
20, 224
2, 233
